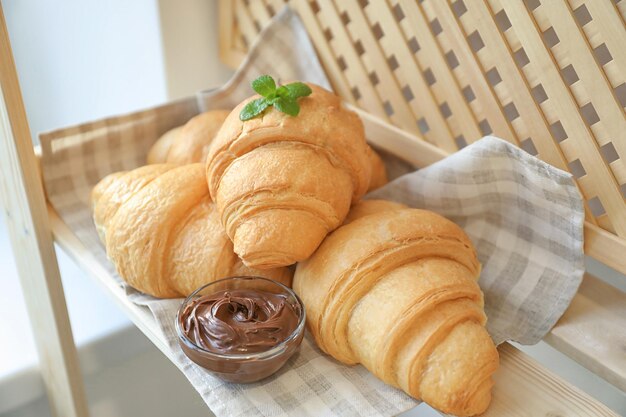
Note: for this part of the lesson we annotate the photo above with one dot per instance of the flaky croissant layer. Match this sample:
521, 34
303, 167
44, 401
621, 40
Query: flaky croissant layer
282, 183
162, 231
189, 143
395, 289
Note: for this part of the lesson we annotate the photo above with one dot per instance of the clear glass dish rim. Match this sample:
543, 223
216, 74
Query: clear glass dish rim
268, 354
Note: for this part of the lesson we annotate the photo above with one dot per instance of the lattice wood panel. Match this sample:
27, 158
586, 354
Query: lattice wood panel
546, 75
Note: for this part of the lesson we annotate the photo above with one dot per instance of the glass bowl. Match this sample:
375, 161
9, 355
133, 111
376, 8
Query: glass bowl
243, 367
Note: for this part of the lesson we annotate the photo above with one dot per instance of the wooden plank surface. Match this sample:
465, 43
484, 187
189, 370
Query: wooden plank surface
593, 330
605, 247
523, 387
26, 215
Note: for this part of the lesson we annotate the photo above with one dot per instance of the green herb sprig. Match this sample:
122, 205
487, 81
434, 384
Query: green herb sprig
284, 98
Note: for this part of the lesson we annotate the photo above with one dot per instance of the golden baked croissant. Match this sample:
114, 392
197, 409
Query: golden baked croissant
395, 289
188, 143
158, 152
379, 173
162, 231
282, 183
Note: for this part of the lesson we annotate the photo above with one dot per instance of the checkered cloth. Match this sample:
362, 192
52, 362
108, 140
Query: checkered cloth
525, 217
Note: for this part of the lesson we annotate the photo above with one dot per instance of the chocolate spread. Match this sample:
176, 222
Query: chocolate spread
239, 321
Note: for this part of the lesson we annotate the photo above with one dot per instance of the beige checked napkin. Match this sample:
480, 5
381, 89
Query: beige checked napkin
525, 217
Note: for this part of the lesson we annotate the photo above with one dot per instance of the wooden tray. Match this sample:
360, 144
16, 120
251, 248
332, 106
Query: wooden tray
522, 385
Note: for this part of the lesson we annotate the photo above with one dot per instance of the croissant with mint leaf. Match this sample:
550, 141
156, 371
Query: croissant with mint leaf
284, 169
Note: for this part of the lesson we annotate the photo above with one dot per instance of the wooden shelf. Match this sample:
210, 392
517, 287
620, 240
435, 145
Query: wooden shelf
593, 330
523, 387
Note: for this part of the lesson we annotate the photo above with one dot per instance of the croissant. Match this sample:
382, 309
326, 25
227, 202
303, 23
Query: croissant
282, 183
162, 231
158, 152
188, 143
395, 289
379, 173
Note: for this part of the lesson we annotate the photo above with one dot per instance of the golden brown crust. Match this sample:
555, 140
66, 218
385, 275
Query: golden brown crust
117, 188
162, 231
379, 172
368, 207
159, 151
395, 289
193, 142
189, 143
281, 183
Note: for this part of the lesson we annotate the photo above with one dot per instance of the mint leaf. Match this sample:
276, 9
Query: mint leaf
287, 105
264, 85
297, 89
253, 109
284, 98
282, 91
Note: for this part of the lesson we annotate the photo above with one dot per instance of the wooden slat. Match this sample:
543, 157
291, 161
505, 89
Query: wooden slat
277, 5
517, 86
375, 61
399, 142
29, 230
355, 72
518, 90
523, 388
621, 8
225, 28
259, 12
605, 247
591, 76
409, 73
605, 185
610, 27
469, 65
446, 83
325, 53
590, 73
593, 330
245, 22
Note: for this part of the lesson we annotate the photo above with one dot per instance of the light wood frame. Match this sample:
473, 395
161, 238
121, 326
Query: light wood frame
29, 229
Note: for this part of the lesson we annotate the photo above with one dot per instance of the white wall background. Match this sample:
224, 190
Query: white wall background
80, 60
